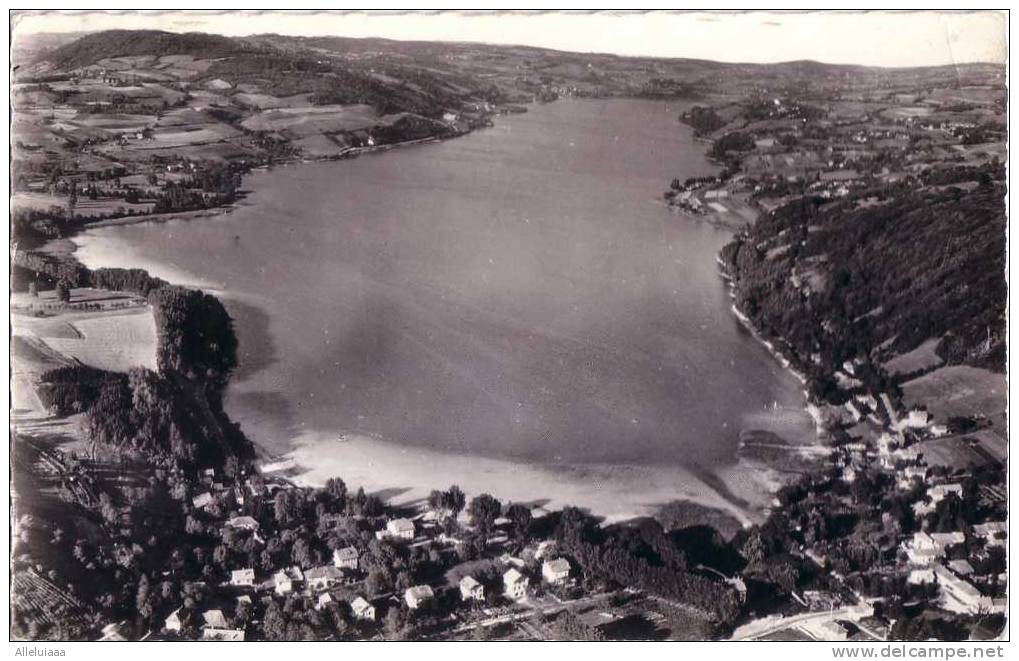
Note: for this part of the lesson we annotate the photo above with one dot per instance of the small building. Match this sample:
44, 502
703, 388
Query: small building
244, 578
994, 533
471, 590
832, 630
959, 595
322, 578
223, 635
202, 500
556, 571
417, 595
960, 568
243, 523
345, 558
515, 584
287, 580
115, 632
173, 621
400, 528
921, 577
362, 609
213, 619
324, 600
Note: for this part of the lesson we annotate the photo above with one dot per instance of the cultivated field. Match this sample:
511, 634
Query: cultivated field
958, 390
921, 358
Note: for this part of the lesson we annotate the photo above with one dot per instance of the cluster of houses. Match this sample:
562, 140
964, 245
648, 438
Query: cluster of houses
929, 558
346, 568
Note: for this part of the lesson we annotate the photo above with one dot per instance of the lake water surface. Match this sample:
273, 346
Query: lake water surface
519, 293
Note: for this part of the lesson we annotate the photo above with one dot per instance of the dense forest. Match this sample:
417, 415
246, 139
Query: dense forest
836, 280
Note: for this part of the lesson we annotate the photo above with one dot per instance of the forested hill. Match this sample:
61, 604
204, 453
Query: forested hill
873, 276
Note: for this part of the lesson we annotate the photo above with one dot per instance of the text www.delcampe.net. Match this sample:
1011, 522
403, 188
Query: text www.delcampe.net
918, 652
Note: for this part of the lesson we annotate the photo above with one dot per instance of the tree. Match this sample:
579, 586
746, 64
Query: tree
483, 511
337, 489
520, 520
287, 506
455, 500
377, 583
63, 292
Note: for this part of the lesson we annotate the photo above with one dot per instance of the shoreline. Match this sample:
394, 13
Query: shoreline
744, 488
393, 471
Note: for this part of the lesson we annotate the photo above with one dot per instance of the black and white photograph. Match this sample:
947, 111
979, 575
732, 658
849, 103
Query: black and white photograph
509, 325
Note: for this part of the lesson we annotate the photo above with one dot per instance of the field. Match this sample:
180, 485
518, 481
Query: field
83, 207
921, 358
107, 330
309, 120
958, 390
113, 341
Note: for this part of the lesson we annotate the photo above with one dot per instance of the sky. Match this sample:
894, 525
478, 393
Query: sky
869, 38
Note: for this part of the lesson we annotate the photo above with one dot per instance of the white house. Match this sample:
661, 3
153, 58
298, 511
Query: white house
172, 623
514, 584
214, 619
362, 610
556, 571
400, 528
223, 635
993, 533
322, 578
959, 595
287, 580
470, 589
417, 595
324, 599
202, 500
243, 523
242, 578
345, 558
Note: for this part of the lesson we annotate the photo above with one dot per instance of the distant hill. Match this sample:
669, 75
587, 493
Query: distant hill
98, 46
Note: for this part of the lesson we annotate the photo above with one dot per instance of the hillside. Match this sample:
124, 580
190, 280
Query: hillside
876, 276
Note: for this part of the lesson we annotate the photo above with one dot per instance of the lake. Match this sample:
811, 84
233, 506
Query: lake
519, 294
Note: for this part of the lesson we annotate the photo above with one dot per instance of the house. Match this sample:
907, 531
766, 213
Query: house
202, 500
556, 571
115, 632
362, 610
243, 523
959, 595
960, 567
345, 558
993, 533
921, 577
514, 584
417, 595
921, 549
242, 578
324, 600
322, 578
938, 492
544, 548
945, 540
400, 528
832, 630
213, 619
223, 635
286, 580
470, 589
173, 622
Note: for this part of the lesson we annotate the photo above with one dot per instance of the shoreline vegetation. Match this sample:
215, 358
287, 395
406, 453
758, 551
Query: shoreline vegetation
141, 531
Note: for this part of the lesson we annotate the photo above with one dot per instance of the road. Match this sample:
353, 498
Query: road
764, 627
